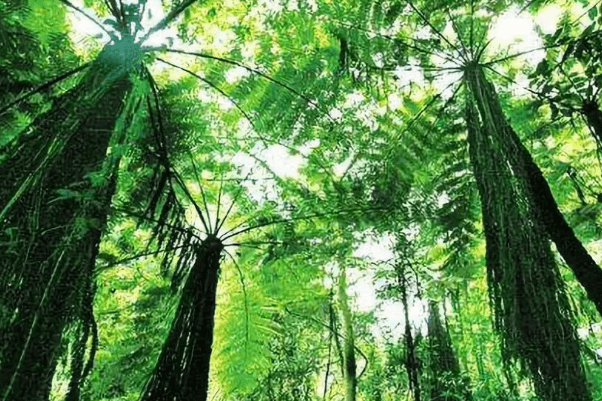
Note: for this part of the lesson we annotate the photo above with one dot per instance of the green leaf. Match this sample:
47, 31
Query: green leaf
593, 13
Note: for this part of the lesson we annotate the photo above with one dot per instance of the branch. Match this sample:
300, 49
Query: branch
221, 223
198, 179
246, 300
257, 243
140, 255
244, 113
426, 20
250, 69
170, 170
499, 60
449, 57
85, 14
169, 18
171, 226
425, 108
457, 29
230, 234
507, 78
44, 86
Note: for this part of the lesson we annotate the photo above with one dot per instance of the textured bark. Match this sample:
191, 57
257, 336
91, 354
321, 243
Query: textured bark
531, 309
349, 362
586, 270
86, 325
411, 361
446, 381
182, 370
583, 266
49, 242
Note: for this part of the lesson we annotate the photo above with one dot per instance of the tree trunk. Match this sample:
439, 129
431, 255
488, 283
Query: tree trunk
84, 330
411, 361
350, 374
182, 370
446, 381
531, 309
51, 219
586, 270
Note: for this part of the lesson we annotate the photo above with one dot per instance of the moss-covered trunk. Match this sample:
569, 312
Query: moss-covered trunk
349, 371
411, 360
182, 370
52, 214
445, 378
531, 309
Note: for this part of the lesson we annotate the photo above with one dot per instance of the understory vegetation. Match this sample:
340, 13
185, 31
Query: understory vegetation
290, 200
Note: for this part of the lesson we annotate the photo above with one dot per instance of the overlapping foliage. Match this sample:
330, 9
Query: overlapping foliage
232, 161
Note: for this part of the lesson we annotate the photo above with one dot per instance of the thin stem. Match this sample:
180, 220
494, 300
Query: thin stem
435, 30
481, 50
256, 243
471, 39
499, 60
219, 203
245, 246
182, 185
116, 12
585, 13
221, 223
409, 66
246, 300
140, 255
198, 179
450, 57
458, 32
85, 14
142, 217
571, 82
169, 18
212, 85
440, 112
525, 7
170, 169
44, 86
231, 234
336, 334
250, 69
538, 94
423, 110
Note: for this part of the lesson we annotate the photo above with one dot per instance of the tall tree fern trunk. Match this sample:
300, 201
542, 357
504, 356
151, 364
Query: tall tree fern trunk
411, 360
446, 381
52, 214
182, 370
531, 308
349, 372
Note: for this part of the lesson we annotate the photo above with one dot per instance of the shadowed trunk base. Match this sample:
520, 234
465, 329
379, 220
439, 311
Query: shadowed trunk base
182, 370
